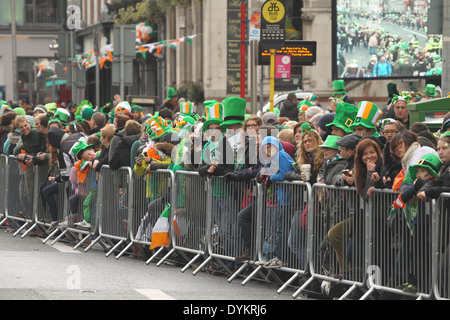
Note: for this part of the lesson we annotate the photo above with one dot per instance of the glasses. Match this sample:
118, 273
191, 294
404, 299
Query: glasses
399, 145
390, 132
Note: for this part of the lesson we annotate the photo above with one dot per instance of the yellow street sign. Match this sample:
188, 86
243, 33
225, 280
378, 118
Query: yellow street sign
273, 11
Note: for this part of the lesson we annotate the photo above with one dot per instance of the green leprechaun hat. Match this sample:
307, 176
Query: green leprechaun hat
431, 162
330, 142
339, 87
367, 116
344, 117
61, 116
304, 105
171, 92
78, 149
234, 110
430, 90
214, 114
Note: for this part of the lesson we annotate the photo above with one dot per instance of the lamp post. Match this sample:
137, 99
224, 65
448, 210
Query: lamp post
14, 51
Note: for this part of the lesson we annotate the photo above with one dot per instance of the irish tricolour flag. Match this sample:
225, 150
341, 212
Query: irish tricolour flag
160, 235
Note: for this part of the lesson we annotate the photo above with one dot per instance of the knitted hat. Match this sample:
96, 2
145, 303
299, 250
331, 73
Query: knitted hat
345, 115
446, 125
51, 107
40, 108
214, 114
20, 111
324, 120
79, 148
122, 107
136, 108
331, 142
234, 111
368, 115
87, 113
339, 87
431, 90
431, 162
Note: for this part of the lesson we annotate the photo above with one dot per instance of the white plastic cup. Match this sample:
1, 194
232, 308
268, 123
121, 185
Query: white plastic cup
306, 170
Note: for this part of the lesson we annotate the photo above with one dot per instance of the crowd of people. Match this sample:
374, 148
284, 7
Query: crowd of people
363, 146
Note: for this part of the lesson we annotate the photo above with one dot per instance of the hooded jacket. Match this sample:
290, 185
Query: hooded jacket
276, 167
64, 143
120, 152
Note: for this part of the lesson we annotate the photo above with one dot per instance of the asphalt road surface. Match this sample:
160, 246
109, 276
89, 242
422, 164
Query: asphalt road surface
32, 270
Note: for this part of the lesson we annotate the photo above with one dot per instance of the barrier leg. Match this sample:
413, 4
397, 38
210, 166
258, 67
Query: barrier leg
81, 242
288, 282
20, 229
202, 265
303, 287
251, 275
124, 250
190, 262
154, 255
50, 235
59, 237
92, 244
234, 275
165, 257
114, 248
29, 230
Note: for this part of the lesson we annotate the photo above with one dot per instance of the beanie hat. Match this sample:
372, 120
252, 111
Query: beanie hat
324, 120
123, 107
41, 108
51, 107
20, 111
87, 114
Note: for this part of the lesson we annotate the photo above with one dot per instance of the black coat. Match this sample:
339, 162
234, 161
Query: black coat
120, 150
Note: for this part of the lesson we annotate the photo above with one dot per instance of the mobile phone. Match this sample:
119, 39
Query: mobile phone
346, 173
141, 156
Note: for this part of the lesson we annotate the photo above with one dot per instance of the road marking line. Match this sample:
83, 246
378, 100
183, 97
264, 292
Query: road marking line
154, 294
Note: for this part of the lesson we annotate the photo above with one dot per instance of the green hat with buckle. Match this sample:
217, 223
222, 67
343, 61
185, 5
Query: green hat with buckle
234, 110
62, 116
344, 117
79, 148
431, 162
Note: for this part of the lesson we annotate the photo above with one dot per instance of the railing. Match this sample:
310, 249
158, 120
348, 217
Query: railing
322, 233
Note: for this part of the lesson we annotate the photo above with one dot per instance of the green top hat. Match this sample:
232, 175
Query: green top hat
331, 142
171, 92
345, 115
187, 109
214, 114
234, 111
367, 116
431, 90
78, 149
431, 162
339, 87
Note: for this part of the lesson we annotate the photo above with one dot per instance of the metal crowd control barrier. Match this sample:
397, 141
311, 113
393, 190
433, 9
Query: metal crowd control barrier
42, 219
151, 193
189, 216
225, 235
114, 207
20, 184
282, 229
441, 249
399, 246
3, 188
336, 221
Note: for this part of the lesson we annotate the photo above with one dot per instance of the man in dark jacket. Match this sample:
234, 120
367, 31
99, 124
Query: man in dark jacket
290, 108
120, 148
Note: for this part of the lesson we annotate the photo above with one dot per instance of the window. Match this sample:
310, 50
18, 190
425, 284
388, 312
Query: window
42, 12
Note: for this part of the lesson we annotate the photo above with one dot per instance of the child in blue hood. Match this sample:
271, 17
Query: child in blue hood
276, 164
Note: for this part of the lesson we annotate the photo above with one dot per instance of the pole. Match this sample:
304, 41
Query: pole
14, 51
243, 51
122, 62
72, 70
254, 75
446, 49
272, 78
97, 69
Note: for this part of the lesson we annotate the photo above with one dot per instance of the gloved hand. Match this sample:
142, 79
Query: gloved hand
229, 177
